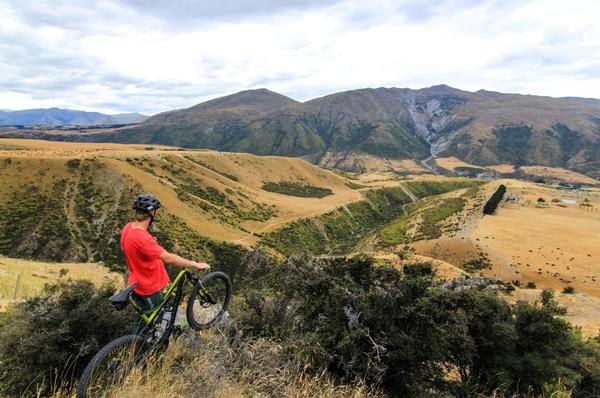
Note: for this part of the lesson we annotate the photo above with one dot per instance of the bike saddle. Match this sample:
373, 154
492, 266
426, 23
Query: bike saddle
119, 300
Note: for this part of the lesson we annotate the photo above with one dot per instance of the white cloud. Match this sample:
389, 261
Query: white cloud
113, 57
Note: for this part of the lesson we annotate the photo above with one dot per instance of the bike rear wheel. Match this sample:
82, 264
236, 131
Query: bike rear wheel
110, 366
209, 300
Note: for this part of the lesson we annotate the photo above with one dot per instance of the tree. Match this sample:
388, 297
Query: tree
494, 200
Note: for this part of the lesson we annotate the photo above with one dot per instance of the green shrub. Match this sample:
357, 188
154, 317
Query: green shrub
569, 290
338, 231
49, 339
292, 188
399, 331
429, 228
73, 164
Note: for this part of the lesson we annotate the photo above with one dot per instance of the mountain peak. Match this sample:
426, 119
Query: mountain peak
260, 99
441, 89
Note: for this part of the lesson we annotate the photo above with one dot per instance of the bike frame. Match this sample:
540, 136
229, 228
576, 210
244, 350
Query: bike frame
177, 287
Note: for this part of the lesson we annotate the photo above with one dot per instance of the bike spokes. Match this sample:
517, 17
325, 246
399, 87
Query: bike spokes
209, 300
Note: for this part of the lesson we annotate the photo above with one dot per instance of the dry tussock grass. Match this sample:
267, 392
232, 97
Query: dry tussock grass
212, 365
22, 279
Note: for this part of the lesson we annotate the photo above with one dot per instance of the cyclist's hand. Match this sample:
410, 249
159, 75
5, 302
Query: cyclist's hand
202, 267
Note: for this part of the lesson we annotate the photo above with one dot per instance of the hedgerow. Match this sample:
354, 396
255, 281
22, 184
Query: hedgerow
494, 200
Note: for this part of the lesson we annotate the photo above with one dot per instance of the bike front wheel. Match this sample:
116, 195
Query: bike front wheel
110, 366
209, 300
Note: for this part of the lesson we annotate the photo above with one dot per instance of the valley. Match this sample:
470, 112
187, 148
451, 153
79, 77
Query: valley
68, 201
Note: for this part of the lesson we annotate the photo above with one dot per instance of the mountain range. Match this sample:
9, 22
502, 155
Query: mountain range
64, 117
482, 128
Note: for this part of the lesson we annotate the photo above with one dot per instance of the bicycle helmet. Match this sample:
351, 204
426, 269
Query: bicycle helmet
146, 203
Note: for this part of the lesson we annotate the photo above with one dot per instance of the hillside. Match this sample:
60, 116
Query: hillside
64, 117
483, 128
335, 275
22, 279
66, 201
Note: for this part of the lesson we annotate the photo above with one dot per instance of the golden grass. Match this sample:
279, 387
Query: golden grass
558, 173
553, 247
32, 276
451, 163
370, 163
210, 366
502, 168
251, 172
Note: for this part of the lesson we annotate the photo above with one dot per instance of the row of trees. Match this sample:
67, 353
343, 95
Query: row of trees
492, 203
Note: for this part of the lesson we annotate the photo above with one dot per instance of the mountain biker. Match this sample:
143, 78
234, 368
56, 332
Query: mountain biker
145, 257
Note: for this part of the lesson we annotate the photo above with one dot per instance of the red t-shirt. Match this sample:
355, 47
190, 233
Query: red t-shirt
141, 253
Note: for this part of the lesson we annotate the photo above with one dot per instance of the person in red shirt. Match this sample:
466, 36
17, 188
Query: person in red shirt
145, 257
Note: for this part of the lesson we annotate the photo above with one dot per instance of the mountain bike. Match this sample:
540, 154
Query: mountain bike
207, 304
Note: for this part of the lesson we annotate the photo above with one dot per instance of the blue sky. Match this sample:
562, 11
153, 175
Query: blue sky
149, 56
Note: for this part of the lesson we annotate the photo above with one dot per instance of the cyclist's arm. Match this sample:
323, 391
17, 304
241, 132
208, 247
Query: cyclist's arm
178, 261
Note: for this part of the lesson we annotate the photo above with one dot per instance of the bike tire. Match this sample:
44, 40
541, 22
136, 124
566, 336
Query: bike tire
208, 301
88, 382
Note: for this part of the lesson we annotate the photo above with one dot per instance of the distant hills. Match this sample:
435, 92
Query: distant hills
64, 117
482, 128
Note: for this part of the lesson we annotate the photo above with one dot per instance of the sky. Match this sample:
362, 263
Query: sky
150, 56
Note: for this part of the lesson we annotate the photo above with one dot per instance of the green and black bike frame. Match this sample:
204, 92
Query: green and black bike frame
151, 316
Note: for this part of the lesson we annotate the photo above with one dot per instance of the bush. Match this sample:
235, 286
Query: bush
492, 203
296, 189
49, 339
569, 290
399, 331
531, 285
73, 164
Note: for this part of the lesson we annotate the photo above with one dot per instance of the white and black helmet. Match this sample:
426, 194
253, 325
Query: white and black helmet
146, 203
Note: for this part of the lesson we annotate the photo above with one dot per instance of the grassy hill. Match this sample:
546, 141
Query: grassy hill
67, 202
22, 279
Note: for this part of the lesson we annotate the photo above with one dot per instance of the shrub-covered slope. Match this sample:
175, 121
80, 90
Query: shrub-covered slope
339, 231
325, 327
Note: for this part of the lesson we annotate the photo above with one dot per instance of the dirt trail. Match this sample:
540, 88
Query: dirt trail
408, 192
425, 163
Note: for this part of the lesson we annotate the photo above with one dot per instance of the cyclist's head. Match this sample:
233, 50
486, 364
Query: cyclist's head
145, 207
